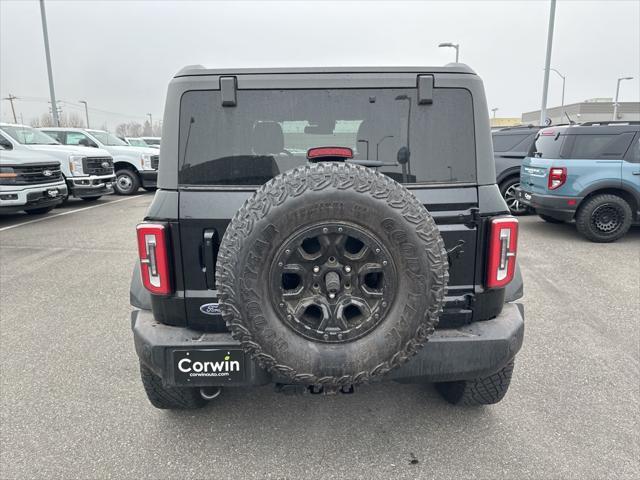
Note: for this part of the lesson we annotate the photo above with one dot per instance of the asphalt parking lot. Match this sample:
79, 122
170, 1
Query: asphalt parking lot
72, 405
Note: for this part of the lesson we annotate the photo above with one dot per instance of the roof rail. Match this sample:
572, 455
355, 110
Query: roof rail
610, 122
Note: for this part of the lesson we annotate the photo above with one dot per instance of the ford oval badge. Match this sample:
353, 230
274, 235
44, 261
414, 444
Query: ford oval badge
210, 309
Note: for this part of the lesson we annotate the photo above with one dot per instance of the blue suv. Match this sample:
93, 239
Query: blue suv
590, 173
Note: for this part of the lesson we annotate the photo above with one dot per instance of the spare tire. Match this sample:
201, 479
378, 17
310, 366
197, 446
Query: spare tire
331, 274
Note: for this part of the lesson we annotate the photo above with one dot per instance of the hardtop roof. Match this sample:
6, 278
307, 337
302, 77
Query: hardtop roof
199, 70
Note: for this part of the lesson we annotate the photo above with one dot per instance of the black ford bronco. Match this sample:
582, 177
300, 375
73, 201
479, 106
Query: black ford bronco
320, 228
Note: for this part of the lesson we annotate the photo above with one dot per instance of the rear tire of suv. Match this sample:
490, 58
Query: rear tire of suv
481, 391
507, 190
127, 182
604, 218
549, 219
169, 398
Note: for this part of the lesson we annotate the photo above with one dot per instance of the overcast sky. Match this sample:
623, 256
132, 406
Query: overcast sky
120, 55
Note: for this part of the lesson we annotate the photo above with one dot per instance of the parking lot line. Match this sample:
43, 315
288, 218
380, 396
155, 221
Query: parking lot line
48, 217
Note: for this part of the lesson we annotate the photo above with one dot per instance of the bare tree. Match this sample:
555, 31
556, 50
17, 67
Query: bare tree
131, 129
73, 119
46, 120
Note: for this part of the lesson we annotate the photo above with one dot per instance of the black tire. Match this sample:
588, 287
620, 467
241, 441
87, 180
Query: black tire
127, 182
481, 391
507, 191
331, 197
549, 219
90, 199
604, 218
39, 211
169, 398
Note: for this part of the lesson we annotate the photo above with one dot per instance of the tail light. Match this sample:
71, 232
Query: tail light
334, 152
154, 258
503, 245
557, 177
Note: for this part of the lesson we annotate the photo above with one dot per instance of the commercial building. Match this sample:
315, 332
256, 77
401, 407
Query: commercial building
592, 110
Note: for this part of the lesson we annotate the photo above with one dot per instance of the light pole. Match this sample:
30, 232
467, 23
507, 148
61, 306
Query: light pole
615, 104
547, 63
452, 45
11, 98
86, 111
564, 78
494, 110
54, 106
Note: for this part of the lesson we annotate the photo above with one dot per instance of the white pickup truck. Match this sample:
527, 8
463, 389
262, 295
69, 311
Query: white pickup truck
29, 181
135, 167
88, 172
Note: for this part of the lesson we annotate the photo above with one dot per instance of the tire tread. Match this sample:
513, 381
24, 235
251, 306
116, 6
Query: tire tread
169, 398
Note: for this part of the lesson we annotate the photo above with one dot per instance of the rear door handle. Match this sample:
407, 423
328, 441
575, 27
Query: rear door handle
635, 173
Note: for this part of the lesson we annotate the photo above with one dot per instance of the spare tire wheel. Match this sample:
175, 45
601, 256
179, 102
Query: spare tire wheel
331, 274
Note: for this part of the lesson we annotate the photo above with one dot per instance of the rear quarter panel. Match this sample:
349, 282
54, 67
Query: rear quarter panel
582, 175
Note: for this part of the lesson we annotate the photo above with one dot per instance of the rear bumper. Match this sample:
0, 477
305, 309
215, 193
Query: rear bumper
149, 178
551, 205
476, 350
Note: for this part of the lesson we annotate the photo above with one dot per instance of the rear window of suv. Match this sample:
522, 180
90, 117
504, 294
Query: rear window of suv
269, 132
585, 146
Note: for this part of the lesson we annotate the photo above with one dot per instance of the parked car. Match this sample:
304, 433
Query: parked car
87, 172
510, 146
135, 141
135, 167
590, 173
296, 239
153, 142
30, 181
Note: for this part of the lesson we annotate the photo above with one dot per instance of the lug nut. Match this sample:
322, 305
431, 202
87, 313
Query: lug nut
287, 251
332, 295
385, 263
377, 250
347, 268
316, 269
325, 230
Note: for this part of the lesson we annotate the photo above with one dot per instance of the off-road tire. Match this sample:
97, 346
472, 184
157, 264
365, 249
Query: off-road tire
169, 398
585, 218
506, 186
481, 391
320, 194
39, 211
133, 183
549, 219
